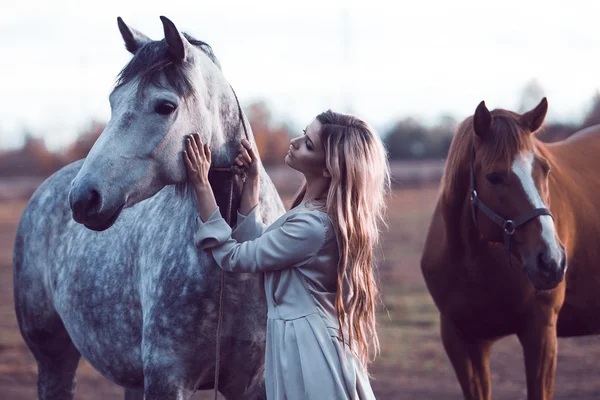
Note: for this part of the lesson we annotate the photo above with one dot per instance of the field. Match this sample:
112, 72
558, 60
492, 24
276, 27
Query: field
412, 364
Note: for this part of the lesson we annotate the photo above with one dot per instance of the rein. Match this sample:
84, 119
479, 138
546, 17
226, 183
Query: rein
509, 226
233, 170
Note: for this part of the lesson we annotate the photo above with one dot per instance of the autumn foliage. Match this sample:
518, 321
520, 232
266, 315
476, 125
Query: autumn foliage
272, 139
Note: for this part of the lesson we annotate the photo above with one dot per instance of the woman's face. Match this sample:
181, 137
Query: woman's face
307, 153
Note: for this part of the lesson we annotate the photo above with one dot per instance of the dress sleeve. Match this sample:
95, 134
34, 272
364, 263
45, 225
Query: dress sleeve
249, 226
294, 244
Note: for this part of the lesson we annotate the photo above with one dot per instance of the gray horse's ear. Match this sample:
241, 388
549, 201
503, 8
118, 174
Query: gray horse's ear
178, 45
534, 119
482, 120
134, 40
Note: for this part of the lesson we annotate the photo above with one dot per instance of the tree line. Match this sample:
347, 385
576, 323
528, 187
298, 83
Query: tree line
407, 139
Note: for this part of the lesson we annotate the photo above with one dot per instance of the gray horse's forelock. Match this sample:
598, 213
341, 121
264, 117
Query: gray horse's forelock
154, 60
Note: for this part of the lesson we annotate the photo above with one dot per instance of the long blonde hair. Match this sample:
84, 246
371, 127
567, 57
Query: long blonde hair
360, 179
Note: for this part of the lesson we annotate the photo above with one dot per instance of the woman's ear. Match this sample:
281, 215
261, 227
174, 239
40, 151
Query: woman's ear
326, 173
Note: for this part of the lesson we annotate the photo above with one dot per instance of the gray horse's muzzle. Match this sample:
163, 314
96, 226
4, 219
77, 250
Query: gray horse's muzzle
89, 208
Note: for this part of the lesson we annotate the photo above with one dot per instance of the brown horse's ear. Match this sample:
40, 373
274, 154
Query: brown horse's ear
482, 120
134, 40
535, 118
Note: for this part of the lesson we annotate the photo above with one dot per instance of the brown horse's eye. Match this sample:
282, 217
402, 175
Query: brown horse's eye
494, 179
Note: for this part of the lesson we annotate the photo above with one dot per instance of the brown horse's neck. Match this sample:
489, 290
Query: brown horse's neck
456, 212
565, 194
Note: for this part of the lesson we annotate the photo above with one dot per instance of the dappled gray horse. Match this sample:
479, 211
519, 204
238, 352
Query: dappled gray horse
104, 261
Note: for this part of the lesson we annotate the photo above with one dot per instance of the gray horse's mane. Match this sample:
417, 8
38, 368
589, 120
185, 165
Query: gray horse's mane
154, 58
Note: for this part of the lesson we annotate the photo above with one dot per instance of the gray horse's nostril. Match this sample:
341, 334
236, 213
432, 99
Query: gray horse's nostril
85, 203
95, 203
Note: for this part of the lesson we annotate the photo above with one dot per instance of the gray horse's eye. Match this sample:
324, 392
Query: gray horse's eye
165, 108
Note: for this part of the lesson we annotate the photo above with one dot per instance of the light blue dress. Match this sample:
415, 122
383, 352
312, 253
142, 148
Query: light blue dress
298, 254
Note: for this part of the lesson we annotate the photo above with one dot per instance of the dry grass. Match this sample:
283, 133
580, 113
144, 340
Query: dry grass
412, 364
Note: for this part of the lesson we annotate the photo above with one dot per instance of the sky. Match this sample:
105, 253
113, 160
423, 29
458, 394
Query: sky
381, 60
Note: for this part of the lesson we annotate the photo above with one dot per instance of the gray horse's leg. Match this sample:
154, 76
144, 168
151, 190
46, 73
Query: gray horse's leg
255, 393
158, 387
42, 329
56, 374
233, 388
56, 356
131, 394
164, 378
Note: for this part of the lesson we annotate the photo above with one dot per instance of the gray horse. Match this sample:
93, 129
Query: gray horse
138, 300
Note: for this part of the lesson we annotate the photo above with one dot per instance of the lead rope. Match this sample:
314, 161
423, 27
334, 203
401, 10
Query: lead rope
234, 170
221, 290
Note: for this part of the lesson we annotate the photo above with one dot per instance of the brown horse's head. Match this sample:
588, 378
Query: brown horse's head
511, 178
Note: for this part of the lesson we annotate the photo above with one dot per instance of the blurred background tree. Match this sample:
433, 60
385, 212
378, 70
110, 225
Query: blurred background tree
272, 138
531, 94
593, 115
83, 144
406, 140
410, 140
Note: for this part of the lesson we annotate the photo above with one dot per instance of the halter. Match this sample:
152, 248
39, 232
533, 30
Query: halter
233, 170
509, 226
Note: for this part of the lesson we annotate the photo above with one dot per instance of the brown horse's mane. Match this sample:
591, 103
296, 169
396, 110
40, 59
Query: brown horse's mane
506, 138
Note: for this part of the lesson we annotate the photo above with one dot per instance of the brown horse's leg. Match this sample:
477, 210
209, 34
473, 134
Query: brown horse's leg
540, 349
470, 359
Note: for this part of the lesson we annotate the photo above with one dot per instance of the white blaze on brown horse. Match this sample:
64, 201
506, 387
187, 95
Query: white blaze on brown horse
497, 266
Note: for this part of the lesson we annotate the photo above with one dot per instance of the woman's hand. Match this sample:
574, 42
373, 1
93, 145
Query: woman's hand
247, 159
197, 160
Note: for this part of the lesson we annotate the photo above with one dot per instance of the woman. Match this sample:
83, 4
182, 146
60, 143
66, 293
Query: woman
317, 258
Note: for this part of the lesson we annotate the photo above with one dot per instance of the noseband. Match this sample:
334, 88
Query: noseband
509, 226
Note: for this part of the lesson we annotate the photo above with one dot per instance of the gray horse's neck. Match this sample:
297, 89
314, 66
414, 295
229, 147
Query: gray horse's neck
234, 125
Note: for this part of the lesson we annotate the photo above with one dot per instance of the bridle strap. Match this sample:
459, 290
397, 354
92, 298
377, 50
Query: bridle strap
241, 115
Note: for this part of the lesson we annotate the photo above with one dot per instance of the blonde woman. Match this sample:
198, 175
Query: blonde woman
317, 258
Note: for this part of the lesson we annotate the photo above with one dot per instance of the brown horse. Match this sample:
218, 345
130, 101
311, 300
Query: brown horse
512, 213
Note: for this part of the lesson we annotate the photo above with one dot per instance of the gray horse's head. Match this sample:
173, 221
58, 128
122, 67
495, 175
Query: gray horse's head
170, 89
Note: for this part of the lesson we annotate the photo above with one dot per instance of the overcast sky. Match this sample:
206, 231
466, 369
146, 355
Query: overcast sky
382, 60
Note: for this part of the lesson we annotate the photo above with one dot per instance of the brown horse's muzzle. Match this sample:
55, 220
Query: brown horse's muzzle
546, 272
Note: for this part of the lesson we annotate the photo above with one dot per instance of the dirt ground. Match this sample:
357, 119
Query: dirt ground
412, 365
